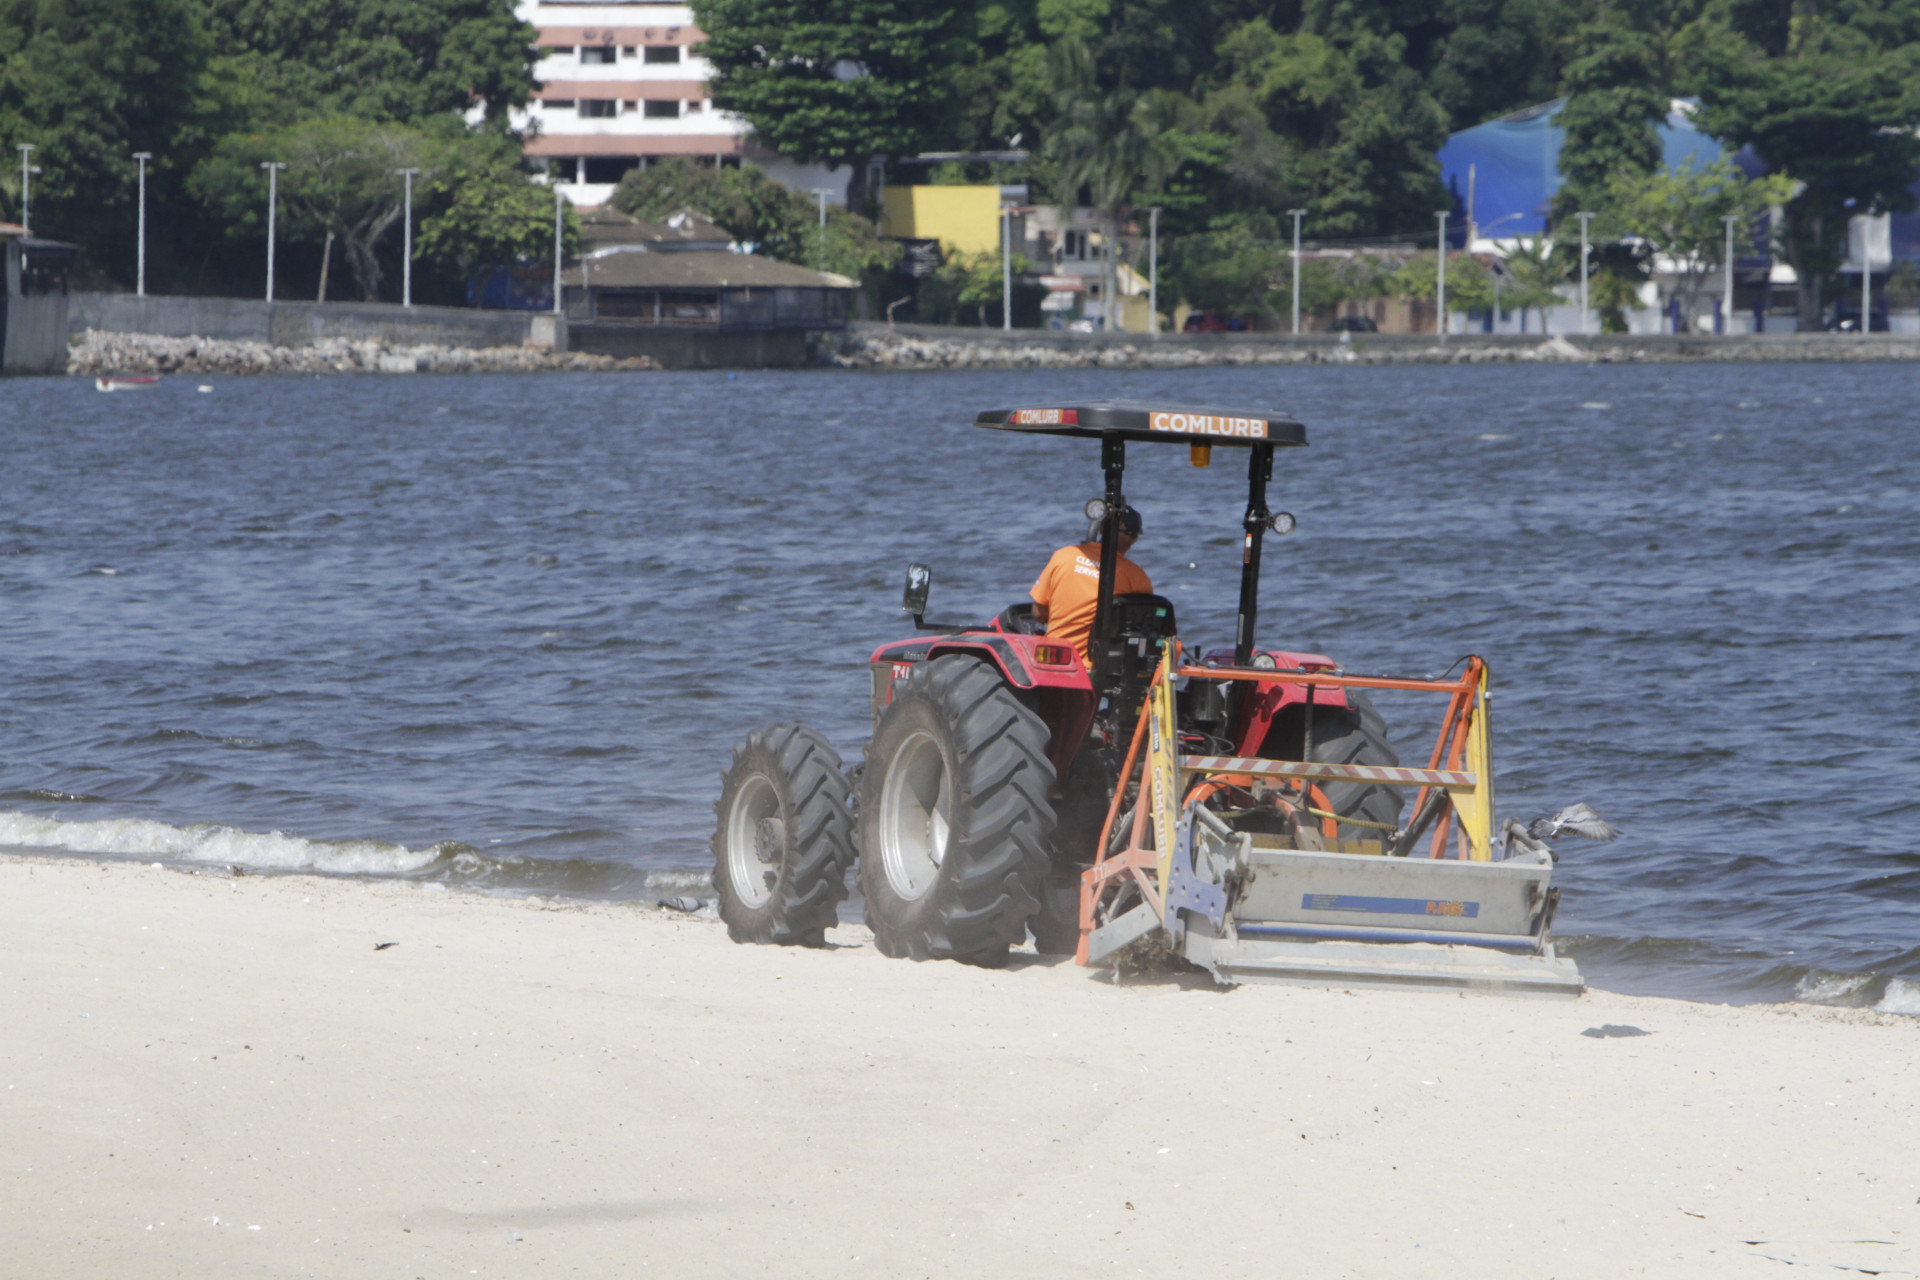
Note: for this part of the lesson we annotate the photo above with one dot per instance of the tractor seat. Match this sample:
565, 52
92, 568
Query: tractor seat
1018, 620
1143, 615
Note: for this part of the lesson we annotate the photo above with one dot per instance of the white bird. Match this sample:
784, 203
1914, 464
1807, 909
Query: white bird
1578, 819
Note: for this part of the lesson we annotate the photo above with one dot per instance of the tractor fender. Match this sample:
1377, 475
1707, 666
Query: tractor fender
1060, 688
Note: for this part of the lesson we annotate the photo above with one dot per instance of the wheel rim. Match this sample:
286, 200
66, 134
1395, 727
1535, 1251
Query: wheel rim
755, 840
915, 816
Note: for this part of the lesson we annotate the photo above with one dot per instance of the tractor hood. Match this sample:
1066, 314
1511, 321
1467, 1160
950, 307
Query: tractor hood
1136, 420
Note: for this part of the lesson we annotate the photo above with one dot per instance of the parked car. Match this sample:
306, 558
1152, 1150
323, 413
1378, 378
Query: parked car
1355, 324
1213, 322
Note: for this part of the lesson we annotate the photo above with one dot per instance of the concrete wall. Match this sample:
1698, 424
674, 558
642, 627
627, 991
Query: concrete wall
694, 349
35, 329
300, 324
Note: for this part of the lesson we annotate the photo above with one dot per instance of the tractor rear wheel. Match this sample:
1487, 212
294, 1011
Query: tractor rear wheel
784, 839
954, 816
1357, 735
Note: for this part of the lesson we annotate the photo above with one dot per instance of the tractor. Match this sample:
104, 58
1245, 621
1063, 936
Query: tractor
1242, 807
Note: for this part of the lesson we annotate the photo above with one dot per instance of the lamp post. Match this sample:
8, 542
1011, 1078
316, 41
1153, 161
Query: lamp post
1440, 322
1866, 278
557, 198
273, 168
1006, 267
26, 184
406, 240
1296, 215
820, 195
140, 272
1153, 270
1726, 309
1586, 324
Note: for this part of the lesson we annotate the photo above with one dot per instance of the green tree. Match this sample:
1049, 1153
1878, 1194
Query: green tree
965, 280
88, 82
488, 213
1536, 273
391, 60
1109, 144
1231, 271
1838, 115
831, 81
1469, 286
1615, 99
745, 202
1679, 212
340, 179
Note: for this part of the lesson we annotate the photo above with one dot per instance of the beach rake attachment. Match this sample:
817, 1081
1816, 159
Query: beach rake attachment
1427, 906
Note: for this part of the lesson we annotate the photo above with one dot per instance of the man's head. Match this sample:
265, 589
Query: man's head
1130, 527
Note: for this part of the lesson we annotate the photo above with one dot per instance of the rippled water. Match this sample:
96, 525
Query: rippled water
502, 631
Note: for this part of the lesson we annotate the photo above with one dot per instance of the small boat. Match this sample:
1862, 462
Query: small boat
126, 382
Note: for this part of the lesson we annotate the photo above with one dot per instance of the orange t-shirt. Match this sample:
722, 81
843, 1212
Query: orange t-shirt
1069, 590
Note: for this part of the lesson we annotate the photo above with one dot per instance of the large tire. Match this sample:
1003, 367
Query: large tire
784, 838
1357, 735
954, 816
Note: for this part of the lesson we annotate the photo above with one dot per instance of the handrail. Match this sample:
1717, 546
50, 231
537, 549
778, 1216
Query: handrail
1390, 775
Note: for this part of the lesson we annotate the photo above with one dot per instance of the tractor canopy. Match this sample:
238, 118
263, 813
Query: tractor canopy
1137, 420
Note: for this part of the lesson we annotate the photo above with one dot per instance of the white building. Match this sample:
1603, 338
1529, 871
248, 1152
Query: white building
622, 83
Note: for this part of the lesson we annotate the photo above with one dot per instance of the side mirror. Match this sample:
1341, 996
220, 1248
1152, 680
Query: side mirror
919, 585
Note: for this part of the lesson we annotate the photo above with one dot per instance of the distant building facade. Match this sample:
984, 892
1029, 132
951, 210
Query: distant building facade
621, 84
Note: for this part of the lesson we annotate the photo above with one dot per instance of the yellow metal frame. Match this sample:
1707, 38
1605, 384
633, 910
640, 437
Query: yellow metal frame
1461, 766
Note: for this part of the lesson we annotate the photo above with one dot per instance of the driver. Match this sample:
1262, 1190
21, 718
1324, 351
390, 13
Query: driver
1067, 594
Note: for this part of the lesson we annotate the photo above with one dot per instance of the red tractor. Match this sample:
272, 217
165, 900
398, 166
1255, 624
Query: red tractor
998, 758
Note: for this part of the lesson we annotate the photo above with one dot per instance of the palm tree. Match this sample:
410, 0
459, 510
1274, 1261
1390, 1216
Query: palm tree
1108, 142
1536, 271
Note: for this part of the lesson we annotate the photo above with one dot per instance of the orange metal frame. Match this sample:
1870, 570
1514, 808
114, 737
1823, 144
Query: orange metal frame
1139, 863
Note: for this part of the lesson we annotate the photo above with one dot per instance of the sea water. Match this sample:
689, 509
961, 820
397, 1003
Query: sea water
502, 632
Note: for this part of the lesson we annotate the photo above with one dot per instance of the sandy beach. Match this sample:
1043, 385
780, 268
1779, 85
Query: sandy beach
211, 1076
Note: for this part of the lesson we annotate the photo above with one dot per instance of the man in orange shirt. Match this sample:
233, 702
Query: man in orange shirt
1067, 595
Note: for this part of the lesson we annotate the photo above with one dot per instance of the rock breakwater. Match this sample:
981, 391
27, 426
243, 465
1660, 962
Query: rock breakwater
98, 353
881, 349
926, 348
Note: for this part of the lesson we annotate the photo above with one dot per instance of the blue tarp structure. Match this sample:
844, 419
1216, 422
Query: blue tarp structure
1515, 167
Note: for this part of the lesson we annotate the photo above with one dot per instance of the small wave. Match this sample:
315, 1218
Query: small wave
212, 843
1903, 996
1820, 986
662, 881
52, 797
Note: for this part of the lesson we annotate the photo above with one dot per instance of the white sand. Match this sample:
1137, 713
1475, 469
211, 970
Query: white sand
209, 1077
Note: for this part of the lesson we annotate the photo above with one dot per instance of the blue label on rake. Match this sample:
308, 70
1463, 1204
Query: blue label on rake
1389, 906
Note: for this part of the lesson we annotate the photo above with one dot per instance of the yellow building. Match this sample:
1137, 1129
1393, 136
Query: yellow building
962, 219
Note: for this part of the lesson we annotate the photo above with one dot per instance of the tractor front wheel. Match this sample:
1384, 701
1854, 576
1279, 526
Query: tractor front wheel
954, 816
784, 838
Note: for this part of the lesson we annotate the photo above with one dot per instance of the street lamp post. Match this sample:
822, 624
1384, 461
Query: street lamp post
1866, 279
406, 240
1006, 267
1440, 322
140, 271
273, 168
1296, 215
557, 198
1726, 308
26, 184
1153, 270
1586, 324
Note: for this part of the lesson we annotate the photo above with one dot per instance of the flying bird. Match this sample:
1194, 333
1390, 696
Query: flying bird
1576, 819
